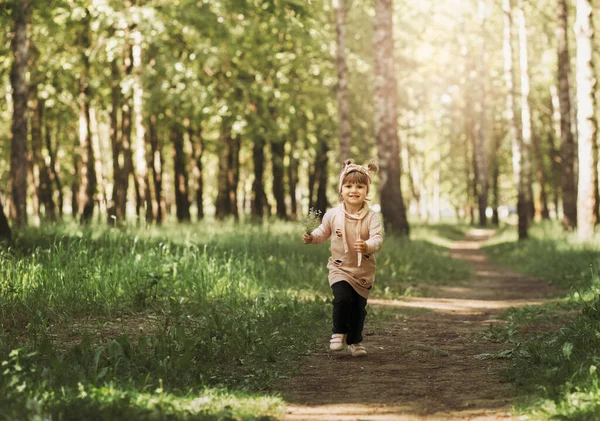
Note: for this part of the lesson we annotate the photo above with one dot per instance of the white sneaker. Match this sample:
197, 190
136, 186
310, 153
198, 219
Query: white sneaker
357, 350
337, 342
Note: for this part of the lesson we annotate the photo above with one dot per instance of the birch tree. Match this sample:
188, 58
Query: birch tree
567, 147
586, 120
526, 120
386, 121
342, 87
513, 120
481, 141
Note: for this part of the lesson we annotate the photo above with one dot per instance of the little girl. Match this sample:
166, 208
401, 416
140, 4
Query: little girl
357, 235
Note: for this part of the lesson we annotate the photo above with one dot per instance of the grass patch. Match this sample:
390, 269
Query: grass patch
554, 350
179, 322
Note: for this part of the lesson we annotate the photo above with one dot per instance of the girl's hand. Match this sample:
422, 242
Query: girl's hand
360, 246
307, 238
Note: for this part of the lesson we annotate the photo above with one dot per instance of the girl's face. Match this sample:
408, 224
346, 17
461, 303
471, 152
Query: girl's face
354, 193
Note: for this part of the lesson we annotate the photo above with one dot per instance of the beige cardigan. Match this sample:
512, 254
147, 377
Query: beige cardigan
345, 264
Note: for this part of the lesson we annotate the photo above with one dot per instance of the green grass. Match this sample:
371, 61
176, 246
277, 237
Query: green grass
555, 365
194, 321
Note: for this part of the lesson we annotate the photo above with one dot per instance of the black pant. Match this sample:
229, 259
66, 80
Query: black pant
348, 312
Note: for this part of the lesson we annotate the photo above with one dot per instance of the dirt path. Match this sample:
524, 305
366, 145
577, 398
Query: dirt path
422, 367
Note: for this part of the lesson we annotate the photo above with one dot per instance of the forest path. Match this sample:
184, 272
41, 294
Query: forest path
422, 366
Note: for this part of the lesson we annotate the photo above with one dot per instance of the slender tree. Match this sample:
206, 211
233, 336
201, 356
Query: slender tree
88, 180
586, 120
526, 119
157, 161
481, 160
18, 79
342, 86
513, 120
258, 202
386, 121
139, 141
182, 201
567, 146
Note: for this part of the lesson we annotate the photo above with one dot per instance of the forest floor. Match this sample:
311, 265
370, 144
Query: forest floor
424, 364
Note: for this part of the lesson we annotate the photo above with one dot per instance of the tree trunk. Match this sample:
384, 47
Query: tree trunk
226, 204
322, 161
292, 173
157, 171
586, 119
40, 169
125, 155
258, 188
481, 142
5, 232
18, 80
554, 152
115, 210
182, 201
495, 180
52, 165
88, 183
139, 142
513, 119
76, 184
541, 178
102, 200
526, 120
567, 147
342, 87
386, 122
278, 157
197, 152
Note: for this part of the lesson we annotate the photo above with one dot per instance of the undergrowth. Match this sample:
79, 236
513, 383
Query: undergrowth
193, 322
555, 359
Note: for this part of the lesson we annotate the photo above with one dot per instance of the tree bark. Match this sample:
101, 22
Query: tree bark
292, 173
495, 180
197, 153
125, 155
182, 201
567, 147
342, 87
228, 178
481, 142
157, 171
513, 119
541, 178
258, 188
54, 175
139, 142
554, 152
587, 123
18, 80
386, 122
40, 169
115, 209
526, 120
322, 163
278, 165
88, 183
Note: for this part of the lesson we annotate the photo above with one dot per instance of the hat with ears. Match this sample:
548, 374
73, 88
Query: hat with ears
350, 166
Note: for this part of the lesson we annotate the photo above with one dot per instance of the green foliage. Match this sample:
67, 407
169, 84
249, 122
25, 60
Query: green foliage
179, 322
549, 254
557, 366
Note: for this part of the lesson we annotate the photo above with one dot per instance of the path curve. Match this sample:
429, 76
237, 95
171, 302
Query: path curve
422, 367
